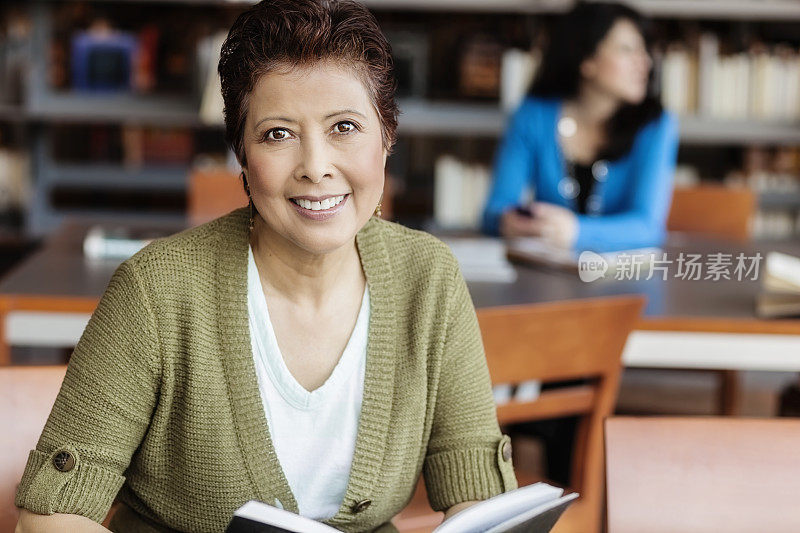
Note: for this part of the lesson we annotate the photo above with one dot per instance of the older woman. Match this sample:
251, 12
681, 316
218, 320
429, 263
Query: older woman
300, 351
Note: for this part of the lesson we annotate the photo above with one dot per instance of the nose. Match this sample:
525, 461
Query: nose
315, 160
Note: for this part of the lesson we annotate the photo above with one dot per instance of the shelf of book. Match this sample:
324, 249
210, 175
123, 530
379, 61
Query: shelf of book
418, 117
115, 176
442, 105
450, 118
701, 130
128, 108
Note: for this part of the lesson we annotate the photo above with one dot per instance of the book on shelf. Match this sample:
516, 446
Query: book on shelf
534, 509
460, 190
208, 54
780, 282
757, 83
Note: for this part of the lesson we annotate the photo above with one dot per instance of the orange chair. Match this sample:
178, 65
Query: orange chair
702, 474
213, 193
555, 342
714, 211
721, 212
27, 394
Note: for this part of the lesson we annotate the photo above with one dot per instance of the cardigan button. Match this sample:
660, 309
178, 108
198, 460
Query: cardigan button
64, 461
507, 452
361, 506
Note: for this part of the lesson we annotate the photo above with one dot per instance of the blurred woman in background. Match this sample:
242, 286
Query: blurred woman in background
590, 142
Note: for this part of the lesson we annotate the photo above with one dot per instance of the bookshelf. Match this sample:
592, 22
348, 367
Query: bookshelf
440, 118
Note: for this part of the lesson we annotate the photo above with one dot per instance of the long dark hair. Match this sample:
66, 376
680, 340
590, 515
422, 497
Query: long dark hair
574, 39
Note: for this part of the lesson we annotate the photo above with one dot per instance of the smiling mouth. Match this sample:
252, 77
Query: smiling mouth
327, 203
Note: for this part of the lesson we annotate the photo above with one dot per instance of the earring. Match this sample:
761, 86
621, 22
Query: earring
378, 211
252, 215
250, 201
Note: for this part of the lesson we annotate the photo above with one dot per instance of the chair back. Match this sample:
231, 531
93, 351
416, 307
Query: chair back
213, 193
714, 211
27, 394
563, 341
702, 474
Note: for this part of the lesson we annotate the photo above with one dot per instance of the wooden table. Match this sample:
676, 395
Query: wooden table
56, 287
687, 324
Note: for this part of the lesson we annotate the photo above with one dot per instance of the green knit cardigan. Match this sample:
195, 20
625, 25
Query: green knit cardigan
160, 405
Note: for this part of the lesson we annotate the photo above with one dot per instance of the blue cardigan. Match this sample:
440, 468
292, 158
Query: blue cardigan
631, 196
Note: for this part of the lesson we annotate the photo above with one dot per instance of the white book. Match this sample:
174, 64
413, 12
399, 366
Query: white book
758, 83
448, 191
211, 103
707, 58
482, 259
781, 287
534, 509
516, 72
675, 81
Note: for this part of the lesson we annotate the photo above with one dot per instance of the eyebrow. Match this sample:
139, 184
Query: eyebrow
335, 113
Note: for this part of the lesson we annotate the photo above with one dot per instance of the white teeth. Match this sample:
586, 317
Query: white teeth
327, 203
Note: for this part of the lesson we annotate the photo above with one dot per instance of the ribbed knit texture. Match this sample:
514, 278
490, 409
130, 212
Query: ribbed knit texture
161, 397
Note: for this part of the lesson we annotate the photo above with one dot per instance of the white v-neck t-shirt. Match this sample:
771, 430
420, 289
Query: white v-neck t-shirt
313, 433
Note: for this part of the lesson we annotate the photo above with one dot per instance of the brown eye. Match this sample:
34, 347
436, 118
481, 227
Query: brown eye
276, 134
345, 127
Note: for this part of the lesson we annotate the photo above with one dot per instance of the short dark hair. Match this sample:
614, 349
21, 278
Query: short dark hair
277, 33
574, 39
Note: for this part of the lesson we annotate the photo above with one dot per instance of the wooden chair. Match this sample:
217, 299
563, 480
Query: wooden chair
721, 212
213, 193
555, 342
713, 210
702, 474
27, 394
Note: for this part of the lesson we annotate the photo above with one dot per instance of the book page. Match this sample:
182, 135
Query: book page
488, 513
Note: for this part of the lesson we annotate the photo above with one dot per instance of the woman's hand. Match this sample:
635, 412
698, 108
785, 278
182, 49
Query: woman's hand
35, 523
555, 224
458, 507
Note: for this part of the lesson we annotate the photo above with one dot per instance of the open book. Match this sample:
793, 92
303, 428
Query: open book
781, 284
531, 509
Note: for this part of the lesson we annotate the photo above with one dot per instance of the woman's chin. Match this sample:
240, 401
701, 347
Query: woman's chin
324, 241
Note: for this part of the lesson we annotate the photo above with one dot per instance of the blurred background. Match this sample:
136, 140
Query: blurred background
110, 110
111, 115
107, 108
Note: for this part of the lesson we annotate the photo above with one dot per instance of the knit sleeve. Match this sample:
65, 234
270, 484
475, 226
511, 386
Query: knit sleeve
103, 408
464, 459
